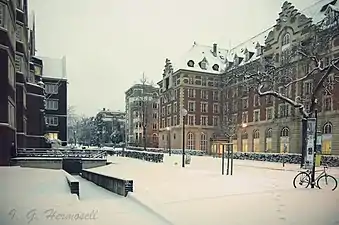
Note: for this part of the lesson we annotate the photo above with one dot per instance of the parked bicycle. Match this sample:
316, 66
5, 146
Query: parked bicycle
304, 178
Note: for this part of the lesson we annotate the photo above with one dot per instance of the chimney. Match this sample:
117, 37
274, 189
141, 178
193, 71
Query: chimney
215, 49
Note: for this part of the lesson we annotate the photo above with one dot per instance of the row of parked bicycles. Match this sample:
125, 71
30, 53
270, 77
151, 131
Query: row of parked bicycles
323, 180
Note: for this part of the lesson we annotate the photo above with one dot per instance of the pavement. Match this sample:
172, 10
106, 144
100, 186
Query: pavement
257, 193
166, 193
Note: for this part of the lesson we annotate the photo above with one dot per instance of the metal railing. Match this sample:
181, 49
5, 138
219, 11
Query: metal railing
57, 153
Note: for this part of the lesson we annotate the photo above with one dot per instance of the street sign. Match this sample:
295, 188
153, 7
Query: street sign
311, 132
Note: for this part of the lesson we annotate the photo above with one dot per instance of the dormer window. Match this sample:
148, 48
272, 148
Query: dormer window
331, 15
259, 49
190, 63
286, 39
236, 60
248, 55
203, 64
215, 67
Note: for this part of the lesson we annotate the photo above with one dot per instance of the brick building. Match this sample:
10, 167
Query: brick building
142, 102
55, 82
21, 92
192, 83
209, 83
267, 123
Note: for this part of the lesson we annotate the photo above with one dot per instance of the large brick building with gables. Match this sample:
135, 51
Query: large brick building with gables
203, 83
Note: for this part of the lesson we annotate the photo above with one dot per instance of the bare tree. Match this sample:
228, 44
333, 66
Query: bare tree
145, 100
228, 111
279, 79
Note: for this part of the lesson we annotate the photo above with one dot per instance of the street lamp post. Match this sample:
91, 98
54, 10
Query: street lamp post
75, 138
184, 114
169, 141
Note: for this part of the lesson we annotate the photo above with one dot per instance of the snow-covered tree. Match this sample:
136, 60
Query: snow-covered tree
278, 76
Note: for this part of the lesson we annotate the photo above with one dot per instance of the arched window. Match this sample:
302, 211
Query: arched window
190, 141
244, 142
203, 142
268, 140
327, 129
256, 143
256, 134
284, 140
155, 138
285, 132
269, 133
286, 39
326, 146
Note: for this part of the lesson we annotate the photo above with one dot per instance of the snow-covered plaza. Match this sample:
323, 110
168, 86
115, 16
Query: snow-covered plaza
166, 193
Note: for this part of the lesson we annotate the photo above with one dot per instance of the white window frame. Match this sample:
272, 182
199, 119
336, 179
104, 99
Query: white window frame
11, 114
215, 121
52, 121
175, 107
216, 106
205, 95
189, 117
254, 113
215, 95
193, 93
19, 32
308, 87
169, 109
244, 117
331, 103
206, 121
19, 63
288, 110
169, 121
52, 107
193, 108
206, 108
267, 109
11, 73
51, 88
175, 121
3, 12
286, 39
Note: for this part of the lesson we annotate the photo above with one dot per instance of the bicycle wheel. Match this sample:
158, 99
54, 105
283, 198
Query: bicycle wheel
327, 180
301, 179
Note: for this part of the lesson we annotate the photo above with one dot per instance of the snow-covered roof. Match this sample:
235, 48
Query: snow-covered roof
215, 61
54, 68
317, 11
249, 47
246, 51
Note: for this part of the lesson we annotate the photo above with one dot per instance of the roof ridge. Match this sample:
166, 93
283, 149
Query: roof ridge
271, 27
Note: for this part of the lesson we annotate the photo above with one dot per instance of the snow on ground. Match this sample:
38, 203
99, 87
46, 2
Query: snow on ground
165, 193
38, 196
198, 194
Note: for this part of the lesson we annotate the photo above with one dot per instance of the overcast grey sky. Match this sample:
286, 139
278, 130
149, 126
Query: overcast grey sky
109, 43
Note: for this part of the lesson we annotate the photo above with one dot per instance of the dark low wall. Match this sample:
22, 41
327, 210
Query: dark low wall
116, 185
73, 184
332, 161
293, 158
142, 155
54, 163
